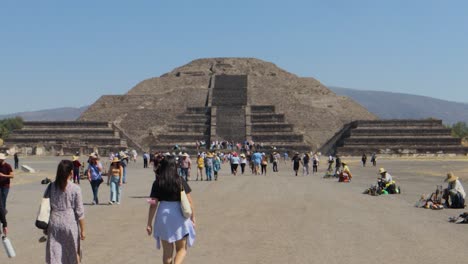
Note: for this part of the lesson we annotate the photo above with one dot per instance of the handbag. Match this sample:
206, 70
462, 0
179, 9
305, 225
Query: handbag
43, 216
185, 204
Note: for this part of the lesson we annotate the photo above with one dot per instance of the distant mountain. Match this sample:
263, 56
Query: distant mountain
56, 114
389, 105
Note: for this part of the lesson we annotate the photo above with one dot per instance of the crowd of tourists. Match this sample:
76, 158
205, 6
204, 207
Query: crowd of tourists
170, 194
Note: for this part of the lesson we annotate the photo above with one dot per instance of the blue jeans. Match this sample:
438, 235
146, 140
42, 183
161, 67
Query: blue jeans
95, 187
115, 189
208, 170
3, 195
184, 173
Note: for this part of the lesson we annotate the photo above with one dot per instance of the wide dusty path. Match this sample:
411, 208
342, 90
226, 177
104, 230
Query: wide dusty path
276, 218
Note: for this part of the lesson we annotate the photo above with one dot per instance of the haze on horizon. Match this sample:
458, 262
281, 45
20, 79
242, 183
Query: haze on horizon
57, 54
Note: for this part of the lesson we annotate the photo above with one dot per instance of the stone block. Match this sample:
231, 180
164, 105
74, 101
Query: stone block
27, 168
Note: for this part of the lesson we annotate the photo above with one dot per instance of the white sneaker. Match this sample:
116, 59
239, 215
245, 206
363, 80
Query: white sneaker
111, 203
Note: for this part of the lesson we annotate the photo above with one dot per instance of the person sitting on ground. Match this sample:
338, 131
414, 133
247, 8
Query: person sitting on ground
386, 182
454, 194
345, 174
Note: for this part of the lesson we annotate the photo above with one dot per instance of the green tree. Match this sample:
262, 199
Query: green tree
460, 130
10, 124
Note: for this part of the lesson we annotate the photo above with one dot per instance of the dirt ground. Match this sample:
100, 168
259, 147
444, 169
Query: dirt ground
278, 218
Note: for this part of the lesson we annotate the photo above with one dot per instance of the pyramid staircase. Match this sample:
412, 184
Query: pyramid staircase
191, 126
228, 117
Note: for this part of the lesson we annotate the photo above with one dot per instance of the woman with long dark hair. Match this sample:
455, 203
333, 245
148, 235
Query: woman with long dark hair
66, 224
170, 226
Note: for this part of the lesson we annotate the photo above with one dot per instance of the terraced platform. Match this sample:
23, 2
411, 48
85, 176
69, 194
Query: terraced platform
66, 138
399, 137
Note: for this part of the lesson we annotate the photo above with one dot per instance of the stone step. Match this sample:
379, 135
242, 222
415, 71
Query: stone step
64, 136
272, 127
393, 136
402, 141
60, 131
267, 109
204, 128
267, 118
177, 138
398, 123
90, 140
400, 149
400, 131
277, 137
65, 124
198, 110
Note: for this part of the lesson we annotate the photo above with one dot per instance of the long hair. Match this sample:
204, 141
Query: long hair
64, 169
168, 179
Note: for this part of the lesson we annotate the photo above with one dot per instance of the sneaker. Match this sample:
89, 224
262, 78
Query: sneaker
111, 202
93, 203
118, 203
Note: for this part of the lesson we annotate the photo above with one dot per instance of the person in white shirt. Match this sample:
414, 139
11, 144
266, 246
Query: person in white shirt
454, 194
386, 182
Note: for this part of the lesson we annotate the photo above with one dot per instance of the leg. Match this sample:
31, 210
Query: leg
113, 187
181, 251
168, 251
3, 195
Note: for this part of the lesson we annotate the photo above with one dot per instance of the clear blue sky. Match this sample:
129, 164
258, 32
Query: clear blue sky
68, 53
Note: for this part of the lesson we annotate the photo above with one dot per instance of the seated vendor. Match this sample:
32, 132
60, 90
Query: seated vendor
386, 182
454, 195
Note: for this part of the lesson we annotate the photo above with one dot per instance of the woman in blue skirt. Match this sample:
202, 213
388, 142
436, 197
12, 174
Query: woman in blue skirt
170, 227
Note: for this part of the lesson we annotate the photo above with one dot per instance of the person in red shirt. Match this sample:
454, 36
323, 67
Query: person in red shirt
76, 170
6, 173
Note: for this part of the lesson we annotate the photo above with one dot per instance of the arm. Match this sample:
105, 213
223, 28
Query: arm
109, 174
9, 175
151, 213
88, 173
193, 208
79, 213
120, 174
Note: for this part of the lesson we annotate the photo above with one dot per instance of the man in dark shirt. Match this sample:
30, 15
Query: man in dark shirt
296, 162
6, 173
16, 161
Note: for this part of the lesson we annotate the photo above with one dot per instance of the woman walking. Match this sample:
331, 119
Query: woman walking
66, 224
243, 162
264, 163
200, 166
170, 226
216, 166
95, 176
115, 181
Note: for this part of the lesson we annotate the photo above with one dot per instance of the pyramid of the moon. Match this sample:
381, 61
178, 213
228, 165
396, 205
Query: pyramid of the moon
233, 99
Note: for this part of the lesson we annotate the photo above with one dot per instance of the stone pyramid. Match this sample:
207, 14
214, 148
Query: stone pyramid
228, 99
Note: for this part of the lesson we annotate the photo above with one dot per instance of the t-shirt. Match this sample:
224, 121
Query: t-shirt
235, 160
5, 168
166, 195
257, 157
296, 160
94, 171
185, 163
306, 160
